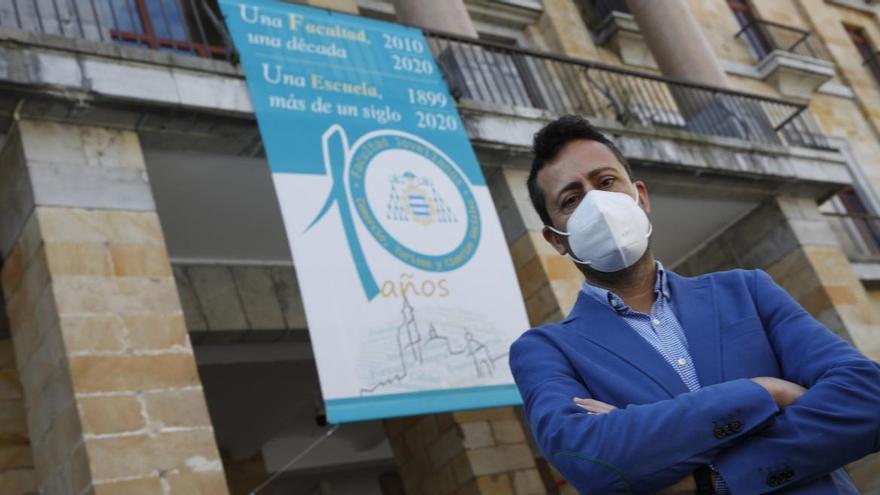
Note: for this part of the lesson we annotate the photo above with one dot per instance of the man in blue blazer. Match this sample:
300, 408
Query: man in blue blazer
656, 382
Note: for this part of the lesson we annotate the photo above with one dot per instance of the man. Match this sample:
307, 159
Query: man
657, 382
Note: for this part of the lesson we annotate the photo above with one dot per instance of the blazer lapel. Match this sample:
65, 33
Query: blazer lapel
604, 327
694, 304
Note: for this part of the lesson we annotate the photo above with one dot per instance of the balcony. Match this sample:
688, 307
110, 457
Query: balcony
794, 60
181, 26
484, 72
509, 77
764, 37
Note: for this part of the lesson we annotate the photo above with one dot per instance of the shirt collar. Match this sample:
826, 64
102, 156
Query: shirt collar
605, 296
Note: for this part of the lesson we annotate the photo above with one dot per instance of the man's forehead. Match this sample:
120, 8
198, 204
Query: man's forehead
579, 158
586, 153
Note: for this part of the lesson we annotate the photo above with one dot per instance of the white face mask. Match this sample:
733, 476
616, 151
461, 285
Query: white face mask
608, 231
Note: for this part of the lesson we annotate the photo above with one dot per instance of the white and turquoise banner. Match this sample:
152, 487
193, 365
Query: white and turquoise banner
409, 291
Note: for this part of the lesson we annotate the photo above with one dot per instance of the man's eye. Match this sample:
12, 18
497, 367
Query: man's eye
570, 201
606, 183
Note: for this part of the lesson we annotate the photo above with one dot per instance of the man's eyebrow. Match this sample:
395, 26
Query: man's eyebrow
577, 185
593, 173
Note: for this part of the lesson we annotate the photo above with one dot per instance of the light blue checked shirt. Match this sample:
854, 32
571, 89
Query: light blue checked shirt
662, 330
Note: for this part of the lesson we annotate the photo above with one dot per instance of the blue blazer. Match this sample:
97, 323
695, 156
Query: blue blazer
739, 324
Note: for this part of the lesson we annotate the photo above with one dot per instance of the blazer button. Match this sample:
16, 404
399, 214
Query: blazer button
720, 433
736, 426
788, 473
773, 480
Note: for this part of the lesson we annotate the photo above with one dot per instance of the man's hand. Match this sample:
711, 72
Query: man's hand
785, 393
594, 406
685, 486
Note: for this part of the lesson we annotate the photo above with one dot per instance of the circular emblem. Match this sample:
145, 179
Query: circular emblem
414, 201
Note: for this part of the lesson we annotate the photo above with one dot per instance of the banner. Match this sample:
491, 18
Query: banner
410, 295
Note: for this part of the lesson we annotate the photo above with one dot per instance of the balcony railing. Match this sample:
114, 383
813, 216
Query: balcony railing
476, 70
511, 77
183, 26
858, 233
766, 36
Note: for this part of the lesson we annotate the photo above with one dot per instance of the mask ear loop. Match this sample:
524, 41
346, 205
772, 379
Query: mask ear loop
566, 234
639, 202
552, 229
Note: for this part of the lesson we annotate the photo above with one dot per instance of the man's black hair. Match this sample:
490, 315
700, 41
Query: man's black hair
550, 140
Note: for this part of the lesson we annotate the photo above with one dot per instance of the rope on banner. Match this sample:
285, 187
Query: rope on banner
293, 461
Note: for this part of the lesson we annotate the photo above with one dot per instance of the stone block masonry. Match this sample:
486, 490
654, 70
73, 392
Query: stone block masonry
481, 452
17, 475
112, 394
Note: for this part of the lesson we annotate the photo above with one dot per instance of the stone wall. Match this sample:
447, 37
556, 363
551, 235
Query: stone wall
113, 398
17, 475
481, 452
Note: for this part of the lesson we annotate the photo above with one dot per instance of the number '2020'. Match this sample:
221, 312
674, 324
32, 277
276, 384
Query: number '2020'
436, 121
412, 64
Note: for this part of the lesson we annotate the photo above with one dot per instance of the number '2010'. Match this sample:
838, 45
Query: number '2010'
394, 42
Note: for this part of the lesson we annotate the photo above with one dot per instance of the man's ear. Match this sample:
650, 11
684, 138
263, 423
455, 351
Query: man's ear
555, 240
642, 191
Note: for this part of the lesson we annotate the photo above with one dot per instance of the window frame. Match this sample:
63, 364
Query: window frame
866, 48
756, 39
151, 38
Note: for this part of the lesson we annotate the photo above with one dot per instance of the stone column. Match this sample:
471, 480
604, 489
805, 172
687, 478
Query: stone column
450, 16
677, 42
470, 452
17, 475
561, 29
790, 239
113, 397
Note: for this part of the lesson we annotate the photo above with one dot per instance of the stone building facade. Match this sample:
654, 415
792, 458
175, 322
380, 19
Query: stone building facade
152, 337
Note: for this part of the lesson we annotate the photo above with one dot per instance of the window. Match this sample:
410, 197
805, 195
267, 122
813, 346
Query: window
866, 49
176, 25
863, 226
595, 12
751, 28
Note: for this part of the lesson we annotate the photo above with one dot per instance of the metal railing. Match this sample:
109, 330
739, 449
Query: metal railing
502, 75
473, 69
766, 36
858, 233
183, 26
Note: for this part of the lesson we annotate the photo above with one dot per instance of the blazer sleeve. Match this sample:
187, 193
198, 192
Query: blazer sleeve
835, 422
628, 450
